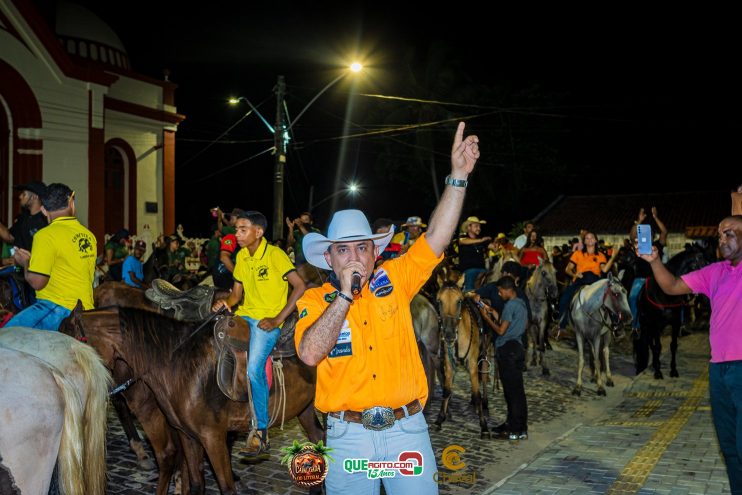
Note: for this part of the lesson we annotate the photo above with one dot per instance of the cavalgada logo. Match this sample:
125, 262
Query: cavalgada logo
262, 272
307, 462
83, 243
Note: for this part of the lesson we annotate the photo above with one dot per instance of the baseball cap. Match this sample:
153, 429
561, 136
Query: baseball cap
35, 186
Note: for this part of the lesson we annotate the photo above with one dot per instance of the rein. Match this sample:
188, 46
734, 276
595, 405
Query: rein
656, 304
205, 322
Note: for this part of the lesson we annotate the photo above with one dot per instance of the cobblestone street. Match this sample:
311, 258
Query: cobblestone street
646, 436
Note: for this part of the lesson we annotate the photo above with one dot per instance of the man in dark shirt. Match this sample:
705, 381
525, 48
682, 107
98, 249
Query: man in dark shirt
31, 219
20, 234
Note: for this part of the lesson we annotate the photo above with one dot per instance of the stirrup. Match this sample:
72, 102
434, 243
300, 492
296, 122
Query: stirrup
262, 436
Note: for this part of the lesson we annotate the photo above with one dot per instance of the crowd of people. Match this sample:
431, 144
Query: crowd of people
356, 329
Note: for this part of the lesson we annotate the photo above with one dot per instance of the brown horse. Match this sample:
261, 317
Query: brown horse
460, 342
177, 362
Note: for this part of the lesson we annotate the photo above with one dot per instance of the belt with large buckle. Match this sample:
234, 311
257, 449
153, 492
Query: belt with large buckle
379, 418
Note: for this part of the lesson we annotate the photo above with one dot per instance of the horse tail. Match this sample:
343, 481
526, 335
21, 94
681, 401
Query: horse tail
98, 380
69, 458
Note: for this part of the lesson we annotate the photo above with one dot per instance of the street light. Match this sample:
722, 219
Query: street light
281, 139
352, 189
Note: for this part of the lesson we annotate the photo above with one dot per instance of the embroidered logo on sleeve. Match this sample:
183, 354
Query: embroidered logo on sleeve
303, 313
329, 297
343, 346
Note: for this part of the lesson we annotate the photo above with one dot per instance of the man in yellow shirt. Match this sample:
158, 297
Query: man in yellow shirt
357, 329
262, 273
62, 266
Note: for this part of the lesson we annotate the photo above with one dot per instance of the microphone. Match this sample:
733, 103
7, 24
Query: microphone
355, 283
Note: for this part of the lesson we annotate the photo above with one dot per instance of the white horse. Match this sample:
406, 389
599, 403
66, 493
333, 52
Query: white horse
53, 401
595, 310
541, 287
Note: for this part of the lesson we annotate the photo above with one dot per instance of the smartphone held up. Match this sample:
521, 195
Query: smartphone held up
644, 239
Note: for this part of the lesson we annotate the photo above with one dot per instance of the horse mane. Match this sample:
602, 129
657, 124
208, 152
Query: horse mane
158, 342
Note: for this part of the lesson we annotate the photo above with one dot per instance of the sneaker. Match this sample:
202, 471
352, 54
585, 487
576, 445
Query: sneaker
523, 435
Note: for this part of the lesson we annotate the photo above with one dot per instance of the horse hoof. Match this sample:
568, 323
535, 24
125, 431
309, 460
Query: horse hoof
576, 391
609, 383
674, 373
601, 391
658, 375
545, 372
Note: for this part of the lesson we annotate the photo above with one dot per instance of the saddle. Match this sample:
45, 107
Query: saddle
191, 305
232, 338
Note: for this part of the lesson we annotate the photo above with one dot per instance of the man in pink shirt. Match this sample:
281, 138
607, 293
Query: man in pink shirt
722, 283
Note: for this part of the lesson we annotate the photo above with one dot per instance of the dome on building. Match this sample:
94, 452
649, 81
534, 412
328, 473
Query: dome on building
85, 35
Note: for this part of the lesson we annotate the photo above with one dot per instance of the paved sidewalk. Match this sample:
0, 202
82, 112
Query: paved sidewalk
659, 439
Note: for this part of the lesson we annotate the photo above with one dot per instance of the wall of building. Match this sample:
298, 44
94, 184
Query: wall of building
144, 137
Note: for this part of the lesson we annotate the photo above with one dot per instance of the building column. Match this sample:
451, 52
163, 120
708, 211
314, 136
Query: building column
168, 182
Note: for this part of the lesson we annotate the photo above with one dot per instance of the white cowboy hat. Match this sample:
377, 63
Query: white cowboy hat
345, 226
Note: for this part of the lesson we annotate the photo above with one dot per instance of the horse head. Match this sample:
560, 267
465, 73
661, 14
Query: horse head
544, 280
615, 302
450, 300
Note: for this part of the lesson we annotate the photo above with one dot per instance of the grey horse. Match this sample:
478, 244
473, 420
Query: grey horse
427, 334
595, 310
540, 288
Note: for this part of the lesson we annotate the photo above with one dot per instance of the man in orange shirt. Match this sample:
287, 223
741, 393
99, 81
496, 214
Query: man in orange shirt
370, 379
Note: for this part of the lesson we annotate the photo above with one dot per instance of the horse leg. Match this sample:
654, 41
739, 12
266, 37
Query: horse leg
543, 341
483, 368
161, 436
606, 356
473, 365
656, 345
674, 343
193, 480
532, 330
447, 384
310, 423
597, 340
214, 440
580, 363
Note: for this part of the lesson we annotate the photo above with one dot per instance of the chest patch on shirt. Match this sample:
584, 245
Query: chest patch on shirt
344, 344
383, 291
262, 272
381, 286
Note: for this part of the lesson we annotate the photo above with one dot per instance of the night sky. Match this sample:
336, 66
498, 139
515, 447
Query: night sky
564, 102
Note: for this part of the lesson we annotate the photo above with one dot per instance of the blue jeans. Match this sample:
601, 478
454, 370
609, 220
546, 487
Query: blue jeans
636, 288
261, 345
725, 388
43, 315
353, 441
470, 276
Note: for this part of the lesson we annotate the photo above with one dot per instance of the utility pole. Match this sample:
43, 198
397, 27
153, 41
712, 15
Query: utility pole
280, 142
